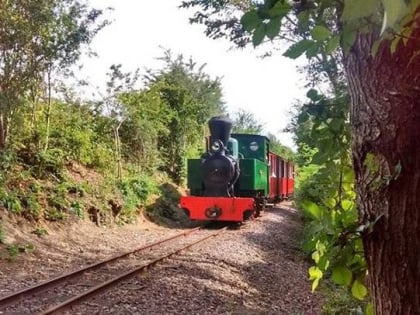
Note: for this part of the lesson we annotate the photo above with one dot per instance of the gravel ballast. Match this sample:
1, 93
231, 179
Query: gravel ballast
255, 269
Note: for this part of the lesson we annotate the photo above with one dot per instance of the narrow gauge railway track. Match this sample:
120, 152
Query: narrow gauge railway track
60, 293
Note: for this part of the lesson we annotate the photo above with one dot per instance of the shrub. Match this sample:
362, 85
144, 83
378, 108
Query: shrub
40, 232
33, 208
1, 234
16, 248
49, 162
78, 209
136, 191
11, 202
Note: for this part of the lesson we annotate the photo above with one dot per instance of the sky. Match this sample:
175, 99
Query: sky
140, 28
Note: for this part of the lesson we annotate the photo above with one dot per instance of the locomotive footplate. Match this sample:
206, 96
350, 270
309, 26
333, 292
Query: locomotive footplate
218, 208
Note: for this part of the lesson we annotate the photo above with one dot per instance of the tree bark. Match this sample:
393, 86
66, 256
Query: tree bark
4, 131
49, 108
385, 92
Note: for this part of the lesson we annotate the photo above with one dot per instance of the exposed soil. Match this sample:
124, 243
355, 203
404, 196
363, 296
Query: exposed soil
256, 269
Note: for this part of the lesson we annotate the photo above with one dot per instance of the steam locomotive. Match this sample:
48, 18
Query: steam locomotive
236, 177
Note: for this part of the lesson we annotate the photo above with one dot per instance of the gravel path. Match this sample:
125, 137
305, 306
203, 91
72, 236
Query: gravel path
256, 269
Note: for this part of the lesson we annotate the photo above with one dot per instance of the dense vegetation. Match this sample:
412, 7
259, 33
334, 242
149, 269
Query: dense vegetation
355, 50
104, 158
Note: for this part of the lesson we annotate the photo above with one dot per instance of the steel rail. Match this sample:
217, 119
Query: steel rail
114, 281
15, 296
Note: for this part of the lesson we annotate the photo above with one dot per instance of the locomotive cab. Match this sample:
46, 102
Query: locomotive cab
231, 181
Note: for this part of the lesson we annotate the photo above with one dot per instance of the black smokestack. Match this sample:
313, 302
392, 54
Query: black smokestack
220, 128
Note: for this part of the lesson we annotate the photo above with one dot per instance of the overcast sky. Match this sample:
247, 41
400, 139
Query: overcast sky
266, 87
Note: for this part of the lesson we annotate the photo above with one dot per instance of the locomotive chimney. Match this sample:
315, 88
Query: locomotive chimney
220, 128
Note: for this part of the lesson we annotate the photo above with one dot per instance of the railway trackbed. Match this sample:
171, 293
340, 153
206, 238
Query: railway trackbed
58, 294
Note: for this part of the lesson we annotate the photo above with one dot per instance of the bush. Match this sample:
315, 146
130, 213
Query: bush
40, 232
16, 248
140, 188
78, 209
33, 208
50, 162
136, 192
11, 202
166, 206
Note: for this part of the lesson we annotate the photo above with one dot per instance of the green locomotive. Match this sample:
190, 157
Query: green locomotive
234, 177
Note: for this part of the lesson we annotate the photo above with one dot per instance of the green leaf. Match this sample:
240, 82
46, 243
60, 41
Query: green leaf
333, 44
336, 124
356, 9
315, 256
394, 44
326, 145
323, 263
297, 49
280, 9
375, 47
315, 284
303, 19
342, 275
321, 248
348, 37
303, 117
369, 309
319, 158
259, 34
315, 273
395, 11
273, 28
250, 20
358, 290
312, 94
312, 209
312, 51
320, 33
347, 204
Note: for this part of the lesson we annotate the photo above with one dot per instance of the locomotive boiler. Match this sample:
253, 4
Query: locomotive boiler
235, 177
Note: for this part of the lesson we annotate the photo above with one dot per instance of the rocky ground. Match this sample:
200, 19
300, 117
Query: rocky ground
256, 269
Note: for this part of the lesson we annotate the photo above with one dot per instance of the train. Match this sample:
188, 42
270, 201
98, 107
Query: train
236, 177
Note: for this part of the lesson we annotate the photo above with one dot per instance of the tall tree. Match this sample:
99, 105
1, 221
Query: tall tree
380, 45
245, 122
37, 38
191, 97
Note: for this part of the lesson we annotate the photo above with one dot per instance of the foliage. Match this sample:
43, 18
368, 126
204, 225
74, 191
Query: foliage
339, 301
191, 97
280, 149
325, 189
245, 122
165, 208
78, 209
58, 153
39, 231
137, 191
321, 30
147, 118
17, 248
37, 38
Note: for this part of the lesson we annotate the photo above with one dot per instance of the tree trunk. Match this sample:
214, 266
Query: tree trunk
385, 92
117, 144
48, 116
4, 131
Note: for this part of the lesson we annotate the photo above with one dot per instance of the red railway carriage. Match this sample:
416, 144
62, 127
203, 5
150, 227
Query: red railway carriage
281, 178
235, 177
